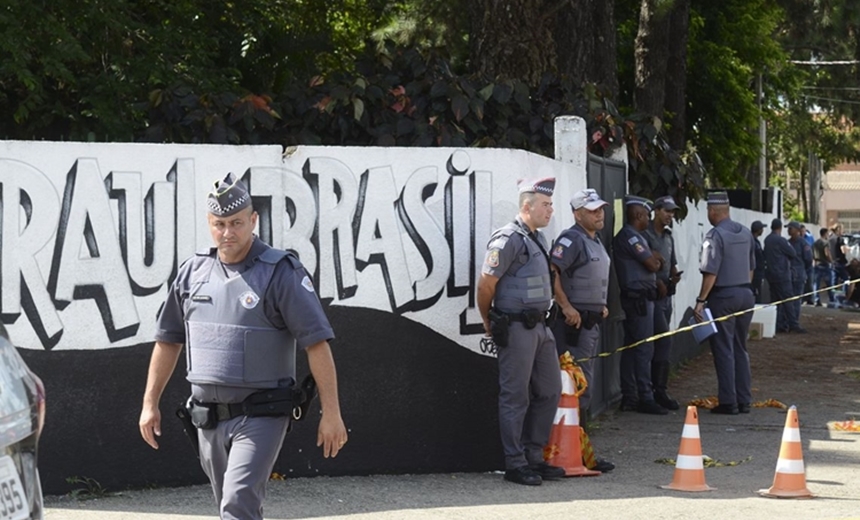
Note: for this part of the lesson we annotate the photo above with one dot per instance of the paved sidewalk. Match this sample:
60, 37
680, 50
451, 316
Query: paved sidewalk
818, 372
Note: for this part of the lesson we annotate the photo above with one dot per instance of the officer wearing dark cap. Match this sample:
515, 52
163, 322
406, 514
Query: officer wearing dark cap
801, 264
241, 308
581, 265
758, 274
659, 236
635, 266
779, 255
728, 261
514, 294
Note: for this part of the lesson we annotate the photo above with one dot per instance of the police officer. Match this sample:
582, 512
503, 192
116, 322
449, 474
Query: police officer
514, 294
728, 261
635, 266
581, 267
778, 255
822, 270
659, 237
801, 264
241, 308
757, 228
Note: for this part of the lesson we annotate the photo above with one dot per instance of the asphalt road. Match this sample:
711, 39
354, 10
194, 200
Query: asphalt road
633, 441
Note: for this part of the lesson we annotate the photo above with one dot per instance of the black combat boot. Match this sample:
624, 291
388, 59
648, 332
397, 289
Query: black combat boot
660, 380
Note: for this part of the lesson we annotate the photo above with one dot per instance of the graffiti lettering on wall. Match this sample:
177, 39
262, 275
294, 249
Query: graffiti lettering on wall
87, 255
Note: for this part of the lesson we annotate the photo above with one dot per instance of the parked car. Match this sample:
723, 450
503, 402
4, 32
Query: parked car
22, 416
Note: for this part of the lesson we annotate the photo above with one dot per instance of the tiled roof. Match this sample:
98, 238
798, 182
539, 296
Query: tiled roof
843, 180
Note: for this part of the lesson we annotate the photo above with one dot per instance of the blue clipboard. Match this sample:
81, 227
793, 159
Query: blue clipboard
703, 332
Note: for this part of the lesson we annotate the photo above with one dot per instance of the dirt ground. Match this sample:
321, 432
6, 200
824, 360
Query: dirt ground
820, 368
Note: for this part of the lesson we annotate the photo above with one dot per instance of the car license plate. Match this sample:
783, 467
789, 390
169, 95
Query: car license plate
13, 502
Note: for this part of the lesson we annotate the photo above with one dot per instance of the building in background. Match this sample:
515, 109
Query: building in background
840, 201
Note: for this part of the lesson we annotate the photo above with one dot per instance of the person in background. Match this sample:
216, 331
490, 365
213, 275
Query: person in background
659, 237
822, 270
635, 266
727, 265
807, 287
800, 264
778, 255
757, 228
839, 260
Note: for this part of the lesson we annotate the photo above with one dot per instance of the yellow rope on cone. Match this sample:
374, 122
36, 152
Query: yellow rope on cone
712, 401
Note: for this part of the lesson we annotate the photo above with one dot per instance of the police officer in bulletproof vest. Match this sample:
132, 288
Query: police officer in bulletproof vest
581, 267
659, 236
727, 264
241, 308
635, 266
514, 295
779, 255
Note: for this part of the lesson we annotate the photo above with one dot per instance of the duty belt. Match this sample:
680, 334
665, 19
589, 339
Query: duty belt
225, 412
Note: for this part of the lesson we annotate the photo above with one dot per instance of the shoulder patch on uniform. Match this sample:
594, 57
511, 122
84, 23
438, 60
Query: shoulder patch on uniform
564, 241
639, 248
558, 252
308, 284
492, 259
499, 242
632, 240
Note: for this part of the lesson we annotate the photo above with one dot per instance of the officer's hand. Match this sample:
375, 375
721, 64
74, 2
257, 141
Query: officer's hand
662, 291
487, 330
572, 317
150, 425
605, 312
331, 434
698, 312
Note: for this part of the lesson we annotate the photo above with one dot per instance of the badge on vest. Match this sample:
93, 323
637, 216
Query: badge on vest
249, 299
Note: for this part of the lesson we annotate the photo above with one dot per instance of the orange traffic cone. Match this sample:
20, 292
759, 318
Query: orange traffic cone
564, 449
790, 478
689, 468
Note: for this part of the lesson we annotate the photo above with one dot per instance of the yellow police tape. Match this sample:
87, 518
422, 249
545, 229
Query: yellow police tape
715, 320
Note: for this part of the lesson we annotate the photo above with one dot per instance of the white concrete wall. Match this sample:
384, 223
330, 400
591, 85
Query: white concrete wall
91, 234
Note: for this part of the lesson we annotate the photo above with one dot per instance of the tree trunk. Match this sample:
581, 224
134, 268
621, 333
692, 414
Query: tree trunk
586, 44
512, 39
652, 54
676, 74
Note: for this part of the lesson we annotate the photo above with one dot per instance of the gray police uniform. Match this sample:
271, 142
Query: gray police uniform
638, 291
778, 255
529, 382
800, 265
241, 324
584, 265
729, 253
665, 245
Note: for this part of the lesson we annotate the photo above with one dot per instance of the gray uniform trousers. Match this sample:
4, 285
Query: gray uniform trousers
636, 362
662, 318
729, 344
238, 456
529, 390
587, 344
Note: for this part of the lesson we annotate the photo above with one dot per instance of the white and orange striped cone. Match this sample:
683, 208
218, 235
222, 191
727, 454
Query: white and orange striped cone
689, 467
564, 449
789, 481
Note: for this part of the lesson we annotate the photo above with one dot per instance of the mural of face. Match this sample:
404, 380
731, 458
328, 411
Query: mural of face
233, 234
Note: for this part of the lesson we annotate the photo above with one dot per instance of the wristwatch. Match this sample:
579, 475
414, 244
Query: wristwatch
700, 300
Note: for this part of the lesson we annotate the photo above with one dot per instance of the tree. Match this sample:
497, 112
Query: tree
585, 44
512, 39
